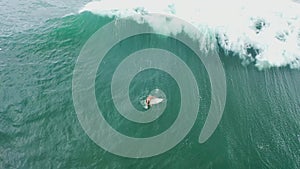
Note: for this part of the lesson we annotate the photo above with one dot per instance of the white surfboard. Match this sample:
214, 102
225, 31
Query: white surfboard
152, 102
156, 101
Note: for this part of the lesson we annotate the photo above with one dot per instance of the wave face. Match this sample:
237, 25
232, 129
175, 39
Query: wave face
265, 33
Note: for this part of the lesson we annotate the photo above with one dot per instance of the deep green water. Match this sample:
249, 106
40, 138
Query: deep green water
39, 128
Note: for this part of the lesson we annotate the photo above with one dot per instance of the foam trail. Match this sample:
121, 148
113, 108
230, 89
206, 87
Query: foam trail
266, 33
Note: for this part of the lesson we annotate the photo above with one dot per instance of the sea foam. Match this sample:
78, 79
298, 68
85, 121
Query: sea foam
263, 32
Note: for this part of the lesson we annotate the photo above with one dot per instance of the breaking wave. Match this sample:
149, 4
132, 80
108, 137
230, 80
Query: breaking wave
264, 33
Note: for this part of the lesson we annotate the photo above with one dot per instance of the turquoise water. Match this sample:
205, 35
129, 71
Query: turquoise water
39, 127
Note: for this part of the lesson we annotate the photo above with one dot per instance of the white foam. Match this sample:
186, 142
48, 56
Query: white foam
272, 28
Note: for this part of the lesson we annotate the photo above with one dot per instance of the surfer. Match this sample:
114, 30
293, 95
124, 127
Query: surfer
152, 100
148, 100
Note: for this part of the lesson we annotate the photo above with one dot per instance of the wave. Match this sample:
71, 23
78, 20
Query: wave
266, 34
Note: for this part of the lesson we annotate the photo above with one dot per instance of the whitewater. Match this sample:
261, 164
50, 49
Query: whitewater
261, 32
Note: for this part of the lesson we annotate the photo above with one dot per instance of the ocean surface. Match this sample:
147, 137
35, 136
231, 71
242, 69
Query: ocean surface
258, 44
